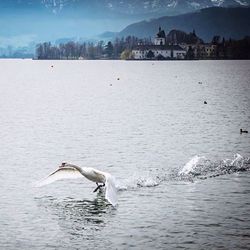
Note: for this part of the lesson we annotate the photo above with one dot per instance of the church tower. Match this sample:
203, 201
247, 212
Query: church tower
160, 38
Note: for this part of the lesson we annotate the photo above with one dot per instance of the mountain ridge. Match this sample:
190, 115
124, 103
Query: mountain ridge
227, 22
129, 7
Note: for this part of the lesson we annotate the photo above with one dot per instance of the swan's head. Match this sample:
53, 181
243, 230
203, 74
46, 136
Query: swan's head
64, 164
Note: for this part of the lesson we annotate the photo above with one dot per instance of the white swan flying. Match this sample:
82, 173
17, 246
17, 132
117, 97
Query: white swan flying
70, 171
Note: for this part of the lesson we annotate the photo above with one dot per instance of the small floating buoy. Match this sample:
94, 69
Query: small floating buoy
118, 79
205, 102
243, 131
110, 84
51, 66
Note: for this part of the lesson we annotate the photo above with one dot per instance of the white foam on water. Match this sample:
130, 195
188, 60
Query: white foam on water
147, 182
139, 180
203, 168
237, 159
189, 167
197, 167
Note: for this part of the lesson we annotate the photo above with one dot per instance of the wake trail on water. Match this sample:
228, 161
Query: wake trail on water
198, 167
138, 181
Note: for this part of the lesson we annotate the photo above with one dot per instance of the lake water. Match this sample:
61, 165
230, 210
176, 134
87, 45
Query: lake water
182, 166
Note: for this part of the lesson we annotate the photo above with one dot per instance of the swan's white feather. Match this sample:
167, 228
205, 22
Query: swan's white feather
60, 174
70, 171
111, 191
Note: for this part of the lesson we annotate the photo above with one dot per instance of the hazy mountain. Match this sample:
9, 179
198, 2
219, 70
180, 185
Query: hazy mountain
227, 22
167, 7
118, 7
52, 19
131, 7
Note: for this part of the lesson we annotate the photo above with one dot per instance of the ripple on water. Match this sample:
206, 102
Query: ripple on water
142, 130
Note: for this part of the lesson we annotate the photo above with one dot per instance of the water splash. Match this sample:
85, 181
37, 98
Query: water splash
191, 165
198, 167
202, 168
150, 179
148, 182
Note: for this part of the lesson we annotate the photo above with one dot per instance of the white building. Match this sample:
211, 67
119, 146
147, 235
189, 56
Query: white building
159, 50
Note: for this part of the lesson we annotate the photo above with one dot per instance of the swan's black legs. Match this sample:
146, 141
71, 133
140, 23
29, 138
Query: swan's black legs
96, 189
98, 186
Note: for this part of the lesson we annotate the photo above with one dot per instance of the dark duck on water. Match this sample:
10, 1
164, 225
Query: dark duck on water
243, 131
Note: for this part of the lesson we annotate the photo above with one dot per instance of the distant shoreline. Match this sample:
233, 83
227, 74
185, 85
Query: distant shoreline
134, 60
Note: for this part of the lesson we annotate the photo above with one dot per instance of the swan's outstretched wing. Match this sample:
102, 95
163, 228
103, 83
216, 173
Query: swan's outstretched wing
59, 174
111, 191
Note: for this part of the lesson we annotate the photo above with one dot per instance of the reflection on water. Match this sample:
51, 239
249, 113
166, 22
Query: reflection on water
77, 217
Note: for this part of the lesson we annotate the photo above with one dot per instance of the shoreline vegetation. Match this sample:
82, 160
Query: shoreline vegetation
124, 48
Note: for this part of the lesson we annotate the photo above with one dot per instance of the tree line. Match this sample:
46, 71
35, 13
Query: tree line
234, 49
224, 49
117, 49
121, 48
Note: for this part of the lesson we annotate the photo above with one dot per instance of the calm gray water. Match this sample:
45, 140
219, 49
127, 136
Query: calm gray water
182, 167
